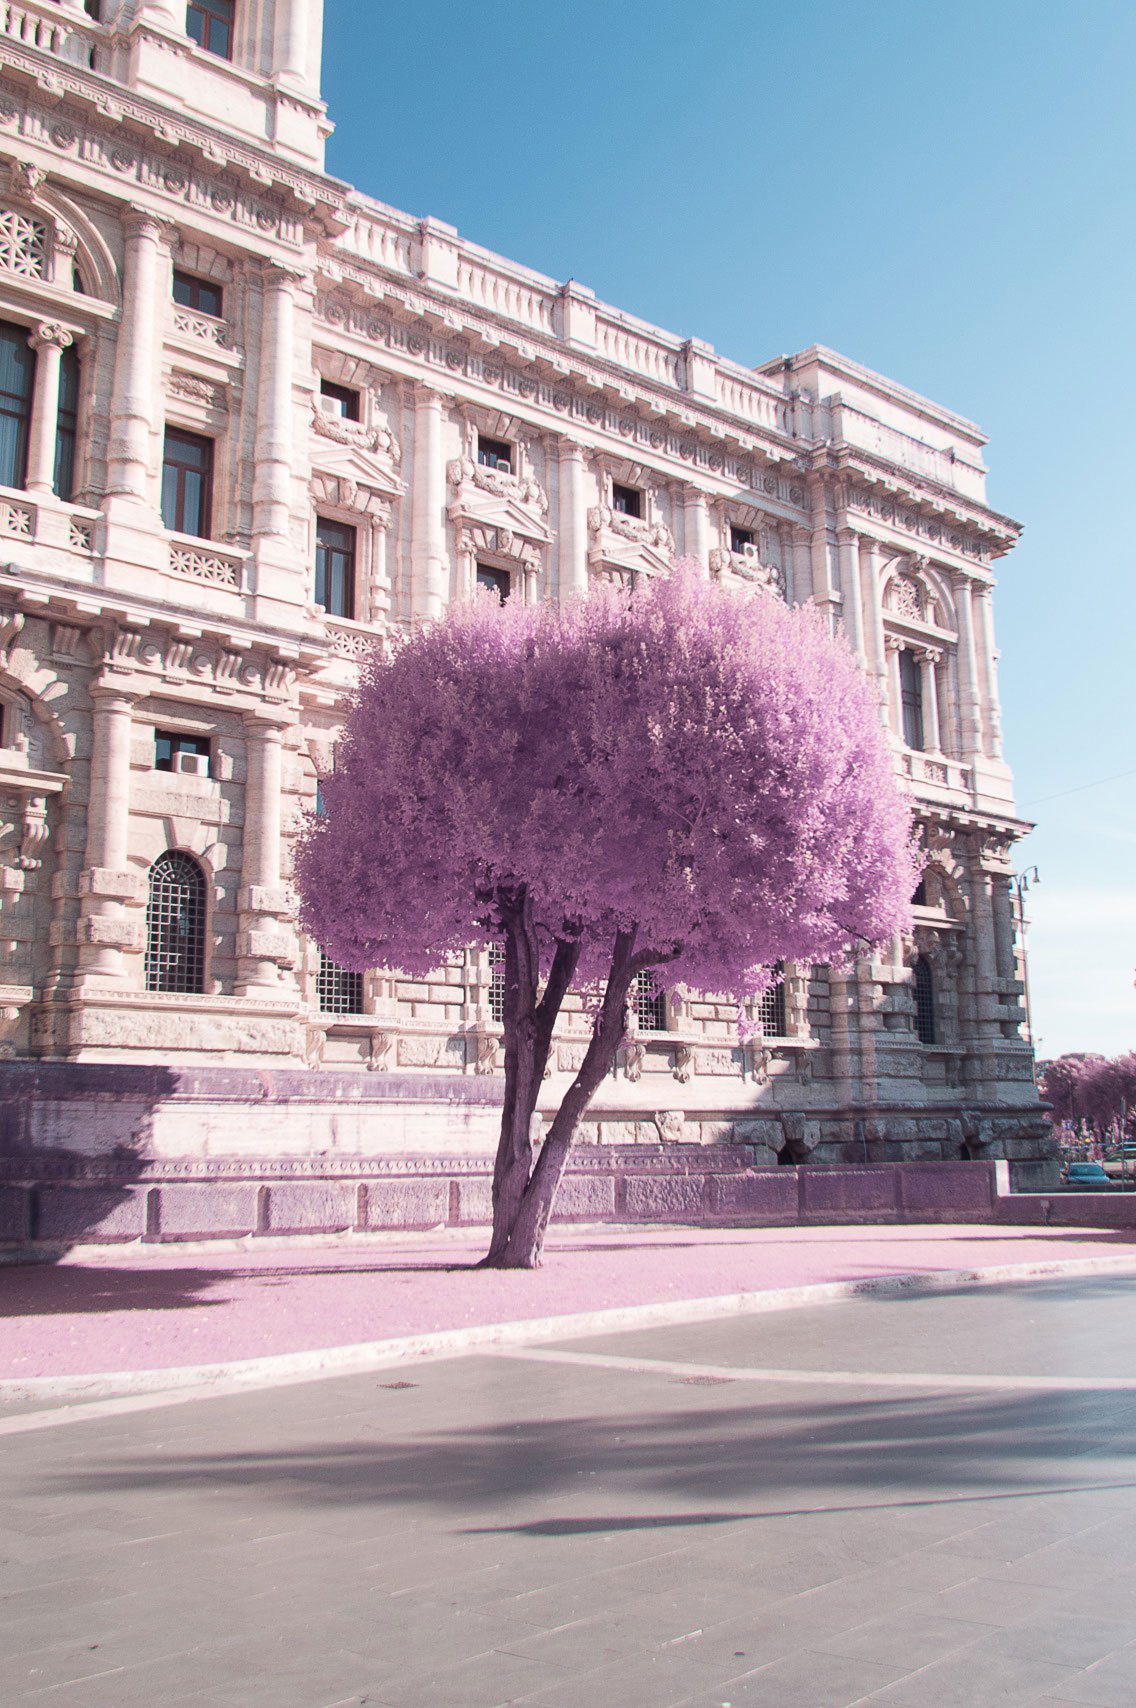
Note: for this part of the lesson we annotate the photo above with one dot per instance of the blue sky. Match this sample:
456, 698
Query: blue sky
944, 194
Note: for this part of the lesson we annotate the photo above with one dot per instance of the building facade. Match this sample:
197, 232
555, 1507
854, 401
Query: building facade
253, 423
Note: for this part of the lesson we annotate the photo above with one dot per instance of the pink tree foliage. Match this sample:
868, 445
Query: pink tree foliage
1108, 1093
1060, 1083
686, 779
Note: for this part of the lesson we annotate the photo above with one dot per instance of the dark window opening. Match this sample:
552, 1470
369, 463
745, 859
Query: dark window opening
497, 985
771, 1005
335, 568
497, 581
494, 454
17, 385
187, 483
175, 926
911, 698
93, 9
209, 23
201, 295
77, 284
338, 989
649, 1003
742, 539
345, 400
67, 425
321, 804
169, 746
924, 1001
919, 899
627, 500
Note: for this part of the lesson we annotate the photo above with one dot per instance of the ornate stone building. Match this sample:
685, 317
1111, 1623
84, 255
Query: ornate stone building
252, 423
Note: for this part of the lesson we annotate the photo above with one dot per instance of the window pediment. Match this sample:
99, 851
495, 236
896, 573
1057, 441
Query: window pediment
494, 499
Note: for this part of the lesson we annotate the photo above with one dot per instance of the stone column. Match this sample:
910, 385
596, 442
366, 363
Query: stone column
802, 566
696, 527
265, 943
49, 341
104, 931
895, 687
134, 399
849, 552
290, 41
928, 689
987, 665
970, 703
380, 599
429, 572
572, 545
272, 481
874, 616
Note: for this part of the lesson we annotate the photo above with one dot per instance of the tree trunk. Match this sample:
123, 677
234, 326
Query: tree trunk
528, 1027
523, 1243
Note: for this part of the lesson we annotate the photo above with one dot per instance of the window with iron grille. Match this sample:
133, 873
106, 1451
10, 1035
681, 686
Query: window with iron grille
626, 500
204, 296
911, 698
771, 1005
649, 1003
497, 985
335, 568
67, 425
924, 1001
495, 454
175, 925
497, 581
187, 483
209, 23
343, 398
17, 383
338, 989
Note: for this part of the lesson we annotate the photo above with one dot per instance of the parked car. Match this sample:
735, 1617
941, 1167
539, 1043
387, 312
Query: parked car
1121, 1161
1089, 1177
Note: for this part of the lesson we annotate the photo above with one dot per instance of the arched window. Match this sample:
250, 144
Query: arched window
17, 383
924, 1001
911, 700
175, 925
68, 423
649, 1003
771, 1005
338, 989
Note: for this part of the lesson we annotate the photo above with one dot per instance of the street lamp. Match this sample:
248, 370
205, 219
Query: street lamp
1020, 884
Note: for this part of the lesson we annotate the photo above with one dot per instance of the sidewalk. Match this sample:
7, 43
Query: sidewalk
164, 1309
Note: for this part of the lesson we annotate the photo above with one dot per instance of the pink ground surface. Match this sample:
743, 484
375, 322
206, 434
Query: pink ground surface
157, 1309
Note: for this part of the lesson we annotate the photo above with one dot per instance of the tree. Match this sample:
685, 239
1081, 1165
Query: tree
1061, 1083
684, 779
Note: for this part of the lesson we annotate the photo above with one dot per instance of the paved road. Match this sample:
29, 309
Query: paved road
920, 1502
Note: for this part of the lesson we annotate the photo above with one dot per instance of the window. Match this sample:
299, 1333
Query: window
321, 803
343, 401
497, 581
919, 899
17, 383
202, 295
338, 989
93, 9
497, 985
771, 1005
335, 568
169, 747
911, 700
626, 500
67, 424
742, 539
649, 1003
494, 454
187, 483
175, 925
210, 24
924, 1001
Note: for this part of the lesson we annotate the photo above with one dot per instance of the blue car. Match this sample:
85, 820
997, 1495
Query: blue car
1089, 1177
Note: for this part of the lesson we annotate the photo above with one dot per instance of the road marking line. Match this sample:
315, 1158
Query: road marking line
819, 1378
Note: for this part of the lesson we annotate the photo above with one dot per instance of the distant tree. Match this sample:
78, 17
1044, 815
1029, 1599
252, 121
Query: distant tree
685, 780
1107, 1093
1061, 1083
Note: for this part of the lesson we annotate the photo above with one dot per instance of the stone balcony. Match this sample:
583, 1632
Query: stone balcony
62, 30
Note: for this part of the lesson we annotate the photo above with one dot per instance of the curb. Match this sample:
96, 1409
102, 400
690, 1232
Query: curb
109, 1392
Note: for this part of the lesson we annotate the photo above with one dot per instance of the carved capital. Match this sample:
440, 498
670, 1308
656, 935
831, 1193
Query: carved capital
50, 332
